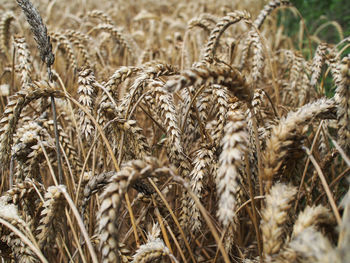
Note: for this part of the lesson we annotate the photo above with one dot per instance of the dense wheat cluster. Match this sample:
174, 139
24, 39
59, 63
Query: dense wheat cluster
171, 131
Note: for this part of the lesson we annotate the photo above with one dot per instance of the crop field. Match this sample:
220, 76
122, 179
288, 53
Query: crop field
172, 131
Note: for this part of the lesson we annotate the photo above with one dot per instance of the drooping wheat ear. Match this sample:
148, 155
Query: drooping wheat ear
151, 71
205, 21
87, 90
274, 216
20, 251
234, 145
78, 35
154, 249
67, 145
204, 101
5, 23
312, 216
111, 201
165, 107
317, 62
342, 98
24, 196
79, 40
287, 135
253, 42
65, 45
138, 142
344, 235
13, 111
219, 29
190, 130
205, 74
309, 246
98, 14
120, 37
257, 103
221, 98
40, 32
111, 91
258, 58
52, 217
203, 168
95, 184
333, 61
25, 138
296, 69
268, 8
24, 67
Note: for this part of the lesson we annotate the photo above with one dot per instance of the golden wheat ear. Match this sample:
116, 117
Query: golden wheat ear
342, 98
268, 8
234, 146
219, 29
153, 249
111, 201
274, 216
24, 67
288, 134
13, 111
5, 24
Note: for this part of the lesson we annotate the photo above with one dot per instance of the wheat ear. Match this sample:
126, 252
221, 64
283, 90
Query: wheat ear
219, 29
342, 98
288, 134
5, 23
274, 216
234, 146
24, 61
13, 111
111, 202
153, 249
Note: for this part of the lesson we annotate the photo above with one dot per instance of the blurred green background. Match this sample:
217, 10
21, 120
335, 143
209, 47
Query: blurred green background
318, 12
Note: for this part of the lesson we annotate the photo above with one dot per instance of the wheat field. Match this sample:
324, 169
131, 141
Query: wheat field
172, 131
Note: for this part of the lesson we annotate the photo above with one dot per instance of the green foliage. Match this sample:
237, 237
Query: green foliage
316, 13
